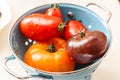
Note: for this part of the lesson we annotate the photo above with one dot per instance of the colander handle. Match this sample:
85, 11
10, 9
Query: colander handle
12, 57
109, 14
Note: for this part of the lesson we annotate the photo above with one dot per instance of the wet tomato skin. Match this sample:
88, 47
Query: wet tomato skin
59, 61
54, 10
86, 49
40, 27
73, 27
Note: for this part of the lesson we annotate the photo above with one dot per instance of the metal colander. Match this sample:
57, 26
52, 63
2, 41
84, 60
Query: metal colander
19, 44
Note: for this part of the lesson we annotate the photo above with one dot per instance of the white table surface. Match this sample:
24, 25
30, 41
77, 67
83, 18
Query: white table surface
109, 69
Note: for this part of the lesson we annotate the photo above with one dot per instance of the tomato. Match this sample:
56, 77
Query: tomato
87, 48
54, 11
73, 27
49, 56
40, 27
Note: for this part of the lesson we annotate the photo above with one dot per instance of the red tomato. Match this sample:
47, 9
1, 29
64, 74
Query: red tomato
40, 27
45, 56
54, 11
73, 27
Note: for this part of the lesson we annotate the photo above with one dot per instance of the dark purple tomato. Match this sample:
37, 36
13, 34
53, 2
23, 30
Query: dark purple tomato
85, 49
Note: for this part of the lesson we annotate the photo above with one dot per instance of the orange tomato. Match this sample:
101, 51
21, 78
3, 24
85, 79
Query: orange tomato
41, 56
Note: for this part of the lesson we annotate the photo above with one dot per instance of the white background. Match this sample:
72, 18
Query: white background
109, 69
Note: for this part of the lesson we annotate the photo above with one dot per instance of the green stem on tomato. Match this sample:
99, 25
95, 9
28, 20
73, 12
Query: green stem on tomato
61, 26
55, 5
82, 34
51, 48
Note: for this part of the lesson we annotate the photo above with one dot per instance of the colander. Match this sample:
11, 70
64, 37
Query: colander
19, 44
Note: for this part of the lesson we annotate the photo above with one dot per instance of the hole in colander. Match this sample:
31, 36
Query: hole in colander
34, 42
26, 71
93, 71
29, 42
89, 26
85, 77
26, 43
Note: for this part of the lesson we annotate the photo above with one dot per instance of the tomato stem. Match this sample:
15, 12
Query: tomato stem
61, 26
80, 21
82, 34
51, 48
55, 5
